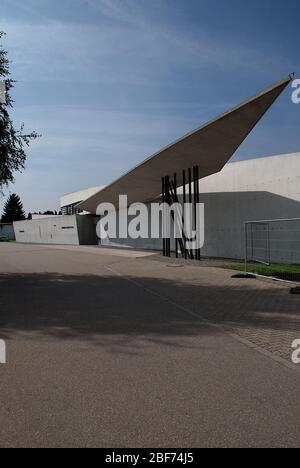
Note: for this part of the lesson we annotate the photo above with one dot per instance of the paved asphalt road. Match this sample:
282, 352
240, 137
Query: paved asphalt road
101, 354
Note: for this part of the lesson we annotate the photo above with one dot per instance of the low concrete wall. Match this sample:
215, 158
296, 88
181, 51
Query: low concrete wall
70, 230
7, 232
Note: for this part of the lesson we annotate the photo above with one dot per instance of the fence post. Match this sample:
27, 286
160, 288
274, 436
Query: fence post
246, 247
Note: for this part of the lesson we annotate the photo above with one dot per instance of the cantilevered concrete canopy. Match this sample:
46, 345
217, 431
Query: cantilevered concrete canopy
210, 147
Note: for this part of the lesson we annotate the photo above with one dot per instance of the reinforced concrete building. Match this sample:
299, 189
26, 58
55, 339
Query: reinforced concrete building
195, 167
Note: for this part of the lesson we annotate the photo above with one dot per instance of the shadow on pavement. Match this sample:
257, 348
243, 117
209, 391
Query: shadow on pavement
92, 308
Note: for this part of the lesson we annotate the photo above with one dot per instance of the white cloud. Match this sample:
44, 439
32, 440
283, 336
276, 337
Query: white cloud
134, 51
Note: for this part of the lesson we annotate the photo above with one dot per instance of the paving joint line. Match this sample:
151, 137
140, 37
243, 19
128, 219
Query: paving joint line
219, 327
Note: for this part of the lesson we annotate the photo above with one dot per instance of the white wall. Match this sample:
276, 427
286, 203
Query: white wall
71, 230
258, 189
59, 230
279, 175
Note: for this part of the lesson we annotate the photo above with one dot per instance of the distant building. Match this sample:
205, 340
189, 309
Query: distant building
69, 202
44, 216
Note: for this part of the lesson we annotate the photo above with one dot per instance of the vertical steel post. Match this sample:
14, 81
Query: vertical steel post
184, 202
167, 185
269, 244
195, 209
176, 215
252, 243
191, 202
198, 201
163, 217
246, 247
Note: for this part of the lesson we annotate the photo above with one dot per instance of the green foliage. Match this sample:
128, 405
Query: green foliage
13, 210
275, 269
13, 142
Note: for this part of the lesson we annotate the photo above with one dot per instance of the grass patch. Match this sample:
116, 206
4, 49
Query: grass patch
276, 269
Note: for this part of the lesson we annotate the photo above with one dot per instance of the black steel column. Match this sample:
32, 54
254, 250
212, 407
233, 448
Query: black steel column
198, 201
169, 196
184, 202
191, 203
195, 209
167, 186
176, 215
163, 201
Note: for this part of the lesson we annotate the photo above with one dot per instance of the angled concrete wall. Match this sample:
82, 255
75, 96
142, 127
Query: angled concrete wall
71, 230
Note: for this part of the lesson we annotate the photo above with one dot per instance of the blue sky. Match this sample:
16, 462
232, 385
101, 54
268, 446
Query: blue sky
109, 82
